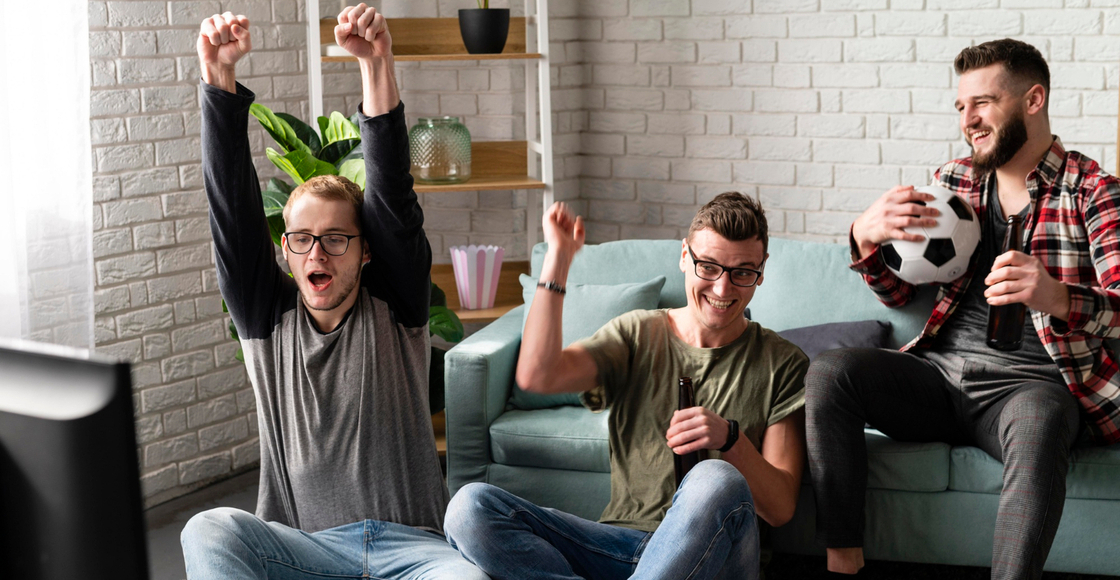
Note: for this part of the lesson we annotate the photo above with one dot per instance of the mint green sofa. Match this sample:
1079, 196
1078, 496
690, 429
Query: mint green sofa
926, 502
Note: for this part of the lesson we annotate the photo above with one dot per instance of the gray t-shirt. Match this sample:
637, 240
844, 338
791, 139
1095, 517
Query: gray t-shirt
345, 429
964, 335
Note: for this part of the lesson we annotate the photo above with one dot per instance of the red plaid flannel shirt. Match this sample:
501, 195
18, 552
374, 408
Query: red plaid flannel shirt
1072, 228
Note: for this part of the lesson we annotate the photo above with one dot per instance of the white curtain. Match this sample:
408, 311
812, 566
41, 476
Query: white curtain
46, 195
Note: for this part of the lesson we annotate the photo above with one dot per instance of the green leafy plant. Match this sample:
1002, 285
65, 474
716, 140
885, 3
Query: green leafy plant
483, 4
333, 150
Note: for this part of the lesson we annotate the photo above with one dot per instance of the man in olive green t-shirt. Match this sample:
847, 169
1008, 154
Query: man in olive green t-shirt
750, 399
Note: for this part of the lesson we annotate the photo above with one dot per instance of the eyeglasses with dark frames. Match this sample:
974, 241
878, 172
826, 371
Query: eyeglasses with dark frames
332, 244
711, 271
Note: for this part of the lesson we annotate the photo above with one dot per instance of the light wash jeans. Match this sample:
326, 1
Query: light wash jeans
228, 544
709, 532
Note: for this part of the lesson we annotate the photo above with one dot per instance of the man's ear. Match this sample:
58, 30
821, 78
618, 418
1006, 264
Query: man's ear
366, 255
1036, 99
284, 246
762, 269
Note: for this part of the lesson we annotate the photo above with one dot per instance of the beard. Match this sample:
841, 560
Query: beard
1009, 139
344, 283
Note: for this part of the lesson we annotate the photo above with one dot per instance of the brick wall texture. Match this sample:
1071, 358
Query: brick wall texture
814, 106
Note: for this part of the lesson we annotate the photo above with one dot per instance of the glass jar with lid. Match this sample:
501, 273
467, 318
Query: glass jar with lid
440, 150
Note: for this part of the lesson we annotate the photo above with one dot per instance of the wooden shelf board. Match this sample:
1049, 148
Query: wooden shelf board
444, 57
507, 298
483, 183
433, 36
485, 315
494, 165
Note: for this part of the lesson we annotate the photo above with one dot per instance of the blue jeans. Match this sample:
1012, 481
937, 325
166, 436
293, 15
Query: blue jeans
227, 543
709, 532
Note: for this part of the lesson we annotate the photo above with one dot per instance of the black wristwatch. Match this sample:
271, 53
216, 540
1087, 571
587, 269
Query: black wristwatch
732, 435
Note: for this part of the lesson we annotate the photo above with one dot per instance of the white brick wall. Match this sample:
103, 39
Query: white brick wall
813, 106
156, 296
156, 299
829, 102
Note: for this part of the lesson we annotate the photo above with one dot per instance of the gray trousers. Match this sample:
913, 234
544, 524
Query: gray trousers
1027, 423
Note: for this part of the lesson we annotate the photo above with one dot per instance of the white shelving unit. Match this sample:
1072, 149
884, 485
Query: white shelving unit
517, 165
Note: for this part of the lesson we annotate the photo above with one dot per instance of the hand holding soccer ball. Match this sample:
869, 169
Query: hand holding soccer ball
917, 247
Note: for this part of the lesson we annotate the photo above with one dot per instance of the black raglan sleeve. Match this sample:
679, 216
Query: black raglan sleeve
250, 280
392, 221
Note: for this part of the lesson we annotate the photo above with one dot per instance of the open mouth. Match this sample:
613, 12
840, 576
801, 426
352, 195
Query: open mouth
719, 304
978, 137
319, 280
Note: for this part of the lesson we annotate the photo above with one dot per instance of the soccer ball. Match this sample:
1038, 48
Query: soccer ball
944, 255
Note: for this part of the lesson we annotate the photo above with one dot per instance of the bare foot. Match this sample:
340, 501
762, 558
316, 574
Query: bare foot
844, 560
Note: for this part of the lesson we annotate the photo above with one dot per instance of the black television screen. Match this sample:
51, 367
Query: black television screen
70, 503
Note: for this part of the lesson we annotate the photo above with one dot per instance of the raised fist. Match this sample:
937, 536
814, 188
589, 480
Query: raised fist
563, 230
222, 40
363, 32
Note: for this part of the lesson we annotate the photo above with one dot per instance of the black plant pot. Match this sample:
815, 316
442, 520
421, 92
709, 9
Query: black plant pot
484, 30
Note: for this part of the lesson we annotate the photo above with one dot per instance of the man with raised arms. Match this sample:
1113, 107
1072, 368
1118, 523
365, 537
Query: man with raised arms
350, 482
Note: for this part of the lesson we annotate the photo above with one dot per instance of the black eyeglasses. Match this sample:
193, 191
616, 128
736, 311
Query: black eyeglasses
333, 244
711, 271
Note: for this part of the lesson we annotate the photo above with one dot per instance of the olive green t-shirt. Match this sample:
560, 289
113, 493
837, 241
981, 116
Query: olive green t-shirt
758, 379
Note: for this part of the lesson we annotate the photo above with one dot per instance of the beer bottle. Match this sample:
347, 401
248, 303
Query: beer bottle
1005, 323
686, 398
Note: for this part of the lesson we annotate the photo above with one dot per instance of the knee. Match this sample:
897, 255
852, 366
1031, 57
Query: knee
467, 509
1042, 415
215, 529
829, 371
714, 484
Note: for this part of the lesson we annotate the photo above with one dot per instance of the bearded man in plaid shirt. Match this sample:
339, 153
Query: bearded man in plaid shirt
1026, 407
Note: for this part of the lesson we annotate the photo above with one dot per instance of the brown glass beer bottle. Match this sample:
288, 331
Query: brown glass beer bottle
1005, 323
686, 398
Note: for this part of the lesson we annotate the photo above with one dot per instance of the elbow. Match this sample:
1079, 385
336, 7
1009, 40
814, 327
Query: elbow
783, 516
528, 380
782, 508
779, 515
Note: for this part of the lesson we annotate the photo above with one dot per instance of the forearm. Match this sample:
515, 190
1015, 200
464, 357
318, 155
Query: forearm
1092, 310
775, 490
542, 342
888, 288
379, 85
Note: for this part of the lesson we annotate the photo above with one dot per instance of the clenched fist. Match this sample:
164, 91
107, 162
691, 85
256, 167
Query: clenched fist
563, 230
222, 40
362, 31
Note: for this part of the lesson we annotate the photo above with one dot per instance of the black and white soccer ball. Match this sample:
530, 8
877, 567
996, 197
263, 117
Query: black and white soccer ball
944, 254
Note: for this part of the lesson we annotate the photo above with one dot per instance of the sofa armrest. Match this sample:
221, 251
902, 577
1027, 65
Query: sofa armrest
478, 377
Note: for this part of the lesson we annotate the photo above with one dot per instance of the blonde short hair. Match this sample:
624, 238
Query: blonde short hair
327, 187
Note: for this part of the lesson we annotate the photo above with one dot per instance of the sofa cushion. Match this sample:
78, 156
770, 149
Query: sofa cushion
805, 283
587, 307
810, 283
560, 438
626, 261
813, 340
906, 466
1093, 472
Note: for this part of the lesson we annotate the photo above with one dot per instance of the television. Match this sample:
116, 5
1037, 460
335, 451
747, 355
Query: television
70, 504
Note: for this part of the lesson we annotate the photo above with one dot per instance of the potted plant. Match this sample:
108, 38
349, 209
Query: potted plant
306, 154
484, 29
